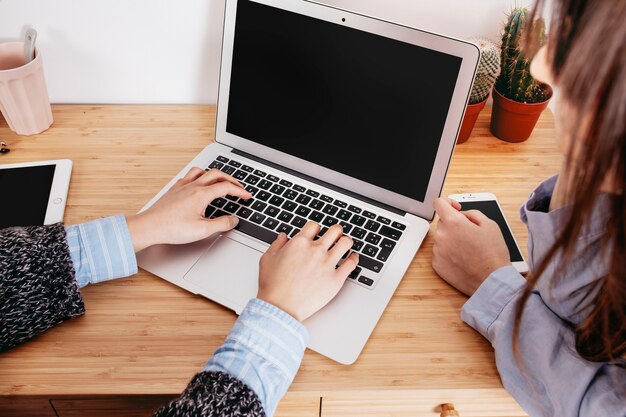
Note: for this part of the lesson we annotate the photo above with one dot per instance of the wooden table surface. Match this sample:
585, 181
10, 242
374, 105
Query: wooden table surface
142, 335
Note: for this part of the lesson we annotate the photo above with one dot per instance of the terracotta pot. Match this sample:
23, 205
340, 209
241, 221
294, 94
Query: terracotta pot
513, 121
469, 120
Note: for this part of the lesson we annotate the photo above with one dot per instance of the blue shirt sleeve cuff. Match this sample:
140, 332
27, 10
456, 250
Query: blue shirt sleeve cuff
263, 350
495, 293
101, 250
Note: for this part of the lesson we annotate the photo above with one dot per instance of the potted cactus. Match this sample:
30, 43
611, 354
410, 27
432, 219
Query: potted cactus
518, 99
486, 73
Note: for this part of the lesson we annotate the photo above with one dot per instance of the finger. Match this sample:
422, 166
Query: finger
310, 230
221, 224
331, 236
342, 246
348, 265
193, 174
445, 209
215, 175
454, 203
277, 245
223, 188
475, 216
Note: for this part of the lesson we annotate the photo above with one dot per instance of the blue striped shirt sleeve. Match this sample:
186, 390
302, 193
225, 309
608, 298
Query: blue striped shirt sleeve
263, 350
101, 250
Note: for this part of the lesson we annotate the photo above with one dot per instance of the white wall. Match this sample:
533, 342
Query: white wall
167, 51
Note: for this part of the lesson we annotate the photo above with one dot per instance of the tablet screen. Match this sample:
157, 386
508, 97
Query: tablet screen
24, 194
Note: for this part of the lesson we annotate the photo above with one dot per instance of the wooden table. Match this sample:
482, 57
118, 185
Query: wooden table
142, 338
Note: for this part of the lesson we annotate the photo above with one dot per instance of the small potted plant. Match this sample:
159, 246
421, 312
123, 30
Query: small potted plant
518, 99
486, 73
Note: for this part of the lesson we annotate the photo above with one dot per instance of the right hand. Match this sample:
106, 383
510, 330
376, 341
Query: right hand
299, 275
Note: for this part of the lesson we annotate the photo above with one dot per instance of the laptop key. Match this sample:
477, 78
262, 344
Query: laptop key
219, 213
299, 188
257, 218
240, 175
340, 204
228, 169
354, 209
232, 197
216, 165
323, 231
244, 212
344, 215
358, 233
298, 221
246, 203
386, 246
372, 226
383, 220
369, 214
277, 189
355, 273
285, 216
286, 183
253, 230
326, 198
285, 228
272, 211
367, 281
316, 204
398, 226
234, 163
312, 193
373, 238
259, 173
390, 232
290, 205
316, 216
290, 194
330, 209
265, 184
276, 200
370, 250
329, 221
357, 220
270, 223
247, 168
252, 179
369, 263
294, 232
252, 190
303, 199
346, 227
303, 211
222, 158
356, 245
259, 205
273, 178
219, 202
231, 207
263, 195
208, 211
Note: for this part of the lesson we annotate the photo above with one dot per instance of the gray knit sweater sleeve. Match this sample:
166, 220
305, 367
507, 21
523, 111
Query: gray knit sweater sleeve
37, 286
38, 290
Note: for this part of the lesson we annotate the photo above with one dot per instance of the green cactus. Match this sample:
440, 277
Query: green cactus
487, 71
515, 81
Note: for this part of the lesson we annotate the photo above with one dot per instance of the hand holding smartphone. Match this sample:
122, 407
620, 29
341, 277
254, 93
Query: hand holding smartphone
487, 204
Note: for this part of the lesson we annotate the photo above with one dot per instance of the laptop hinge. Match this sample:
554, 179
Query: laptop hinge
321, 183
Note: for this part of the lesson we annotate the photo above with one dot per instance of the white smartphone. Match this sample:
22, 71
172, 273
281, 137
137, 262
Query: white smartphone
489, 206
33, 193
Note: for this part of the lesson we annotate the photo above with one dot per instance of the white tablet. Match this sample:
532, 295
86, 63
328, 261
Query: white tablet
33, 193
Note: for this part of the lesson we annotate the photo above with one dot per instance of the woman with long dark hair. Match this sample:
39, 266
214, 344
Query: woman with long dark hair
560, 335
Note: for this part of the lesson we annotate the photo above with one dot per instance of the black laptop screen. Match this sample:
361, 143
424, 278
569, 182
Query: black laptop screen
367, 106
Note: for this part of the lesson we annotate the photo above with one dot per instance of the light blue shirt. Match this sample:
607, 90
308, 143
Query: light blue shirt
552, 380
264, 348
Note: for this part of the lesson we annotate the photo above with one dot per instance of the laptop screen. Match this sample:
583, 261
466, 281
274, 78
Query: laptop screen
367, 106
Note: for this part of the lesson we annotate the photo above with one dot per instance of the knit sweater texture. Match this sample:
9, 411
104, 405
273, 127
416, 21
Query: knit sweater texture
38, 290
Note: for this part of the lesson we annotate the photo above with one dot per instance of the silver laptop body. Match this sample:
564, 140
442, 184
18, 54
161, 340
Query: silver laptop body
329, 116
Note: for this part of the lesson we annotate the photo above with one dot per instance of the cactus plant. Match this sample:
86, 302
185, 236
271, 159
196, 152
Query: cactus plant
515, 81
487, 71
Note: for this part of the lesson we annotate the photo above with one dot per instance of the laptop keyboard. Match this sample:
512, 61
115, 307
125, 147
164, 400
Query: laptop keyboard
278, 205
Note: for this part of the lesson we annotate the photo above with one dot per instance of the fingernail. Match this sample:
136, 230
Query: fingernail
234, 220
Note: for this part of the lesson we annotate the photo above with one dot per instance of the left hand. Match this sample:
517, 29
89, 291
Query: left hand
468, 246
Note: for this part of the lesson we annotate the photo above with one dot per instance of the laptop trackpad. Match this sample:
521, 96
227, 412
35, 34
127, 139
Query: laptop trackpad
228, 273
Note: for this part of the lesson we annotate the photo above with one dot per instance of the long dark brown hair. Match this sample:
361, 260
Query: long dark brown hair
586, 51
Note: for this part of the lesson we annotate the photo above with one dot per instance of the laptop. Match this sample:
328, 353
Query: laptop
330, 116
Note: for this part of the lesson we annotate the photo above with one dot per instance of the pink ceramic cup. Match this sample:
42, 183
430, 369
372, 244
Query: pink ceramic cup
24, 100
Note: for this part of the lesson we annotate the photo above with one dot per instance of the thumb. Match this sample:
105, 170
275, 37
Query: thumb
446, 208
221, 224
475, 216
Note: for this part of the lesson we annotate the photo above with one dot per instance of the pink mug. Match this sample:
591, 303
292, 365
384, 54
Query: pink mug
24, 100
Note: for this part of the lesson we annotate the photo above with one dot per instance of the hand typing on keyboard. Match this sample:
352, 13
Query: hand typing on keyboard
300, 275
178, 216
